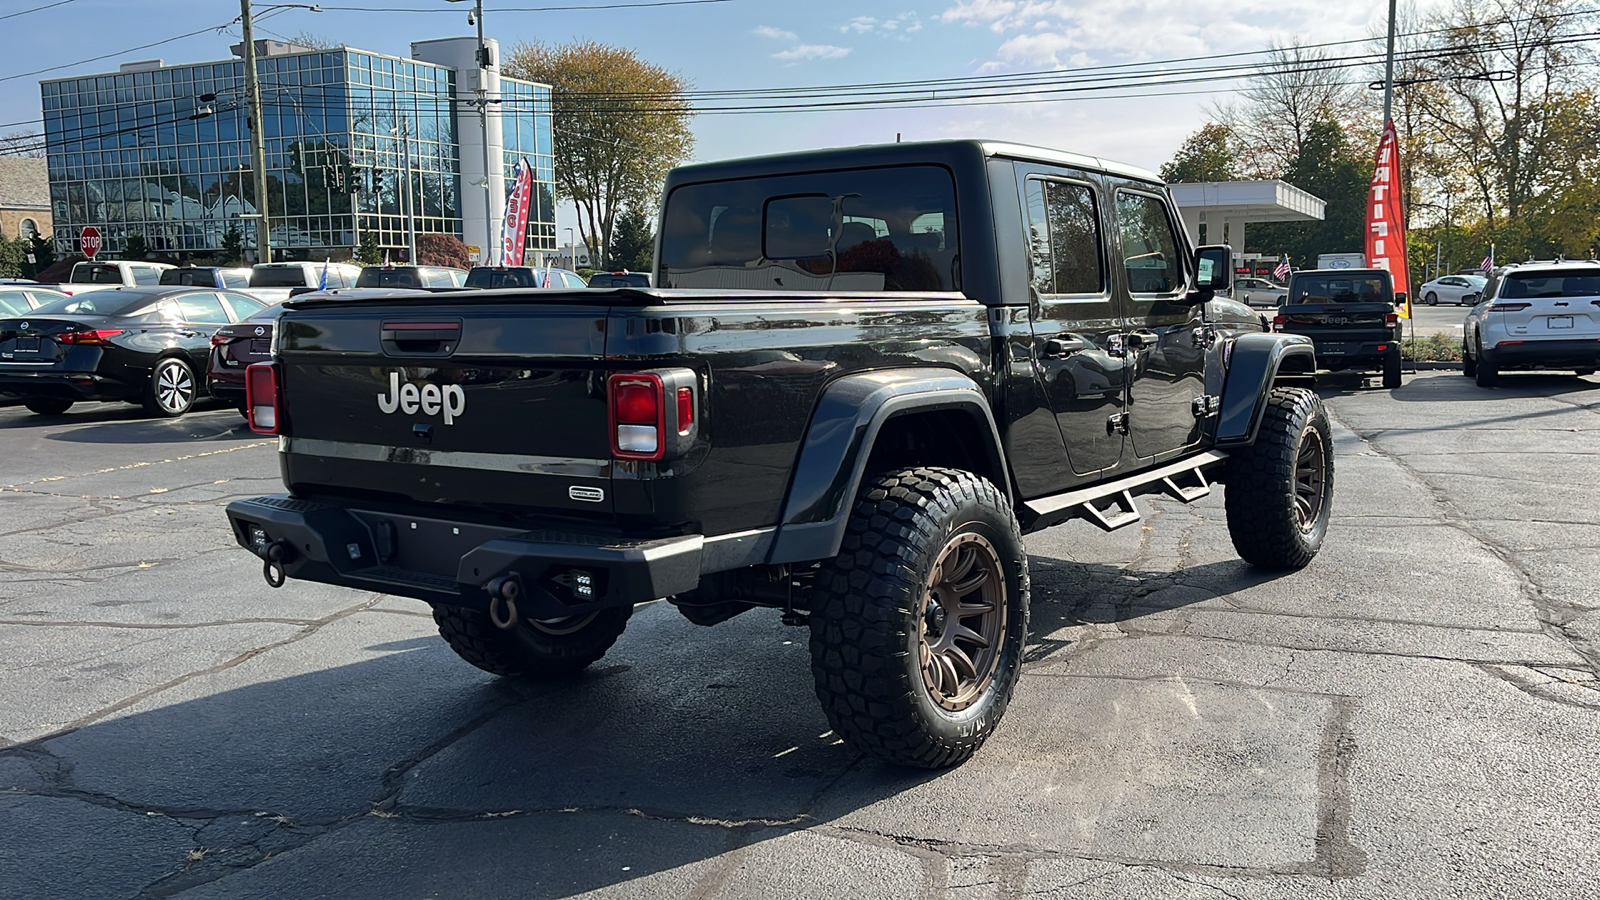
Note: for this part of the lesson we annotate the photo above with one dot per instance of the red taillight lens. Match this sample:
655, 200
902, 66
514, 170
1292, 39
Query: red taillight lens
1508, 307
99, 336
1390, 320
685, 410
638, 416
1278, 322
217, 340
261, 398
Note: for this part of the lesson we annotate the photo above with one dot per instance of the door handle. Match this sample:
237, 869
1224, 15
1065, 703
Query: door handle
1055, 348
1141, 339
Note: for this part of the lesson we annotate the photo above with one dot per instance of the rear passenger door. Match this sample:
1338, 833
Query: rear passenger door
1167, 336
1078, 349
203, 313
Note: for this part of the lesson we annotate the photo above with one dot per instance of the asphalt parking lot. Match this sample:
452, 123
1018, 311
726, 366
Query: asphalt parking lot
1414, 715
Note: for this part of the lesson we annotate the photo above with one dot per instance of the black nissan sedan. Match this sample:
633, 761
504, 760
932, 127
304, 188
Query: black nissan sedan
144, 345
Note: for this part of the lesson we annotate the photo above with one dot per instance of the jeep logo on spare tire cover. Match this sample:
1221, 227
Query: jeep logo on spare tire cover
431, 399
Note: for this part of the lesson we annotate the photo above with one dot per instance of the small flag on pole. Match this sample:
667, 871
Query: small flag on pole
1283, 269
322, 283
1487, 265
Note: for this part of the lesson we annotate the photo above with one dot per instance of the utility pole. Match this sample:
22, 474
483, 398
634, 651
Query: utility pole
489, 252
408, 197
1388, 70
258, 144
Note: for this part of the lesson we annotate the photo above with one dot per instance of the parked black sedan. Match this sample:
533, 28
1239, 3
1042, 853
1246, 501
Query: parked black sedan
143, 345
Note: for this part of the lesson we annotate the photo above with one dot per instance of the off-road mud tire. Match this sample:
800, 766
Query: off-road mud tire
1391, 371
530, 651
873, 615
47, 406
1267, 483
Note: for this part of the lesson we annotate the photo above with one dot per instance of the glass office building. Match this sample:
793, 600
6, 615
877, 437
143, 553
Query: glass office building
357, 143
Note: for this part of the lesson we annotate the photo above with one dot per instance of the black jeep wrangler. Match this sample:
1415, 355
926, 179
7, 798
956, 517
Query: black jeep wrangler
1350, 316
863, 375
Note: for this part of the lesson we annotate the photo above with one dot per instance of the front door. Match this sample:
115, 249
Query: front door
1077, 327
1166, 336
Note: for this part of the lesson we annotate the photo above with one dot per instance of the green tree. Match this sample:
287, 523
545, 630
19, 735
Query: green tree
13, 256
620, 124
232, 246
1328, 167
44, 253
367, 251
135, 247
1204, 156
632, 244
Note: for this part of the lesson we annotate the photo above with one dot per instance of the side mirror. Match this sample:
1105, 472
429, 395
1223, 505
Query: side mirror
1399, 298
1213, 267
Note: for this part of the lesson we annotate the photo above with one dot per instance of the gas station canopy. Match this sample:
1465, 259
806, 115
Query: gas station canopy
1228, 206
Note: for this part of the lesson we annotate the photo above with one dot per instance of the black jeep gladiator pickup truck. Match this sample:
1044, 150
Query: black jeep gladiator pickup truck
1350, 316
862, 376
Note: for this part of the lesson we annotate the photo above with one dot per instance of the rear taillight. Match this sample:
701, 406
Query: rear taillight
93, 336
261, 398
1278, 323
1390, 320
217, 340
1508, 307
638, 416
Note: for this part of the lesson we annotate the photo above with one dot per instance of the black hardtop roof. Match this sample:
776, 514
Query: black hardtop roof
956, 154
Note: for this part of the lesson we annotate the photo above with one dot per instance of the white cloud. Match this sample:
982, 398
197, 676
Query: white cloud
777, 34
812, 51
903, 24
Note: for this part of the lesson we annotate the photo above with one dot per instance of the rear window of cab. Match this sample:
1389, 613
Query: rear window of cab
874, 229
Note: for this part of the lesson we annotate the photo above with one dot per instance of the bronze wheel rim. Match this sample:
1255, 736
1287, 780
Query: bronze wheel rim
961, 622
1310, 480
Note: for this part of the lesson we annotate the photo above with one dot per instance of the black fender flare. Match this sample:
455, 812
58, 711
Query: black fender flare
1253, 363
838, 443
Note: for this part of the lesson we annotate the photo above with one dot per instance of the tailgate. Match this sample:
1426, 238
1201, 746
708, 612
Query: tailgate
498, 406
1338, 322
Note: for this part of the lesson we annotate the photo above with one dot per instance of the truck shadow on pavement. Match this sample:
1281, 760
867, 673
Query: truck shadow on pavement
133, 427
407, 773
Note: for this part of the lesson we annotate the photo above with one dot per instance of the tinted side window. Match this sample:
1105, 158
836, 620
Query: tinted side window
243, 307
13, 303
278, 276
1064, 238
202, 306
235, 279
855, 229
149, 275
1149, 248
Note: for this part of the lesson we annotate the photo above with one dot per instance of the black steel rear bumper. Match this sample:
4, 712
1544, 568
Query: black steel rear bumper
441, 561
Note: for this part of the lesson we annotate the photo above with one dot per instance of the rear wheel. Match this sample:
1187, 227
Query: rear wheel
918, 625
1391, 371
47, 406
534, 650
172, 388
1485, 373
1280, 489
1431, 299
1469, 366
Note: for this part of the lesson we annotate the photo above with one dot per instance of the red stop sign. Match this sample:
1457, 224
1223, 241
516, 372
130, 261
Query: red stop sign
89, 240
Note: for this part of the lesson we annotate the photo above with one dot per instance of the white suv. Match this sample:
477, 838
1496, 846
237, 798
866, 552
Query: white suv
1534, 315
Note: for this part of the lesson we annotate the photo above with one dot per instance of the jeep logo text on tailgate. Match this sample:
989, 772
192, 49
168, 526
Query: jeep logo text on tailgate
430, 398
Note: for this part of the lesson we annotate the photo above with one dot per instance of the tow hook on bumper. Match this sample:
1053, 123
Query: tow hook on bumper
273, 556
503, 593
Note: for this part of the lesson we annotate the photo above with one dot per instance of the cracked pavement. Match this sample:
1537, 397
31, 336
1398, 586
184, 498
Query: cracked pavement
1414, 715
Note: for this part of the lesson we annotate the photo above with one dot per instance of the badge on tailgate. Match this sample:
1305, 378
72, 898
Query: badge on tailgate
431, 399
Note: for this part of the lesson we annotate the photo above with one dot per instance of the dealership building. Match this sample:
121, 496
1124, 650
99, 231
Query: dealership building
357, 143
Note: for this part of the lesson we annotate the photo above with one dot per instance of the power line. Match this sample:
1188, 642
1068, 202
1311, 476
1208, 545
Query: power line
214, 28
37, 9
521, 9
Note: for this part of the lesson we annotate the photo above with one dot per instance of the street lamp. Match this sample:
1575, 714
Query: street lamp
476, 18
572, 251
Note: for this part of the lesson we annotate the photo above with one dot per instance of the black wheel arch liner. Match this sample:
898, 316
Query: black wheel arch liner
1253, 364
839, 441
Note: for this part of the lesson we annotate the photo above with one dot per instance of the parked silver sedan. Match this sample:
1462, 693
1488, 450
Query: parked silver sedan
1462, 290
1259, 292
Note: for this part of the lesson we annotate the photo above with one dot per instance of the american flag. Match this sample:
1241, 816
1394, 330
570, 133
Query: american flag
1283, 270
1487, 265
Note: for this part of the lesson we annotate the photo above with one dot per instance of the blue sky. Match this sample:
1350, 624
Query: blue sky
761, 43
